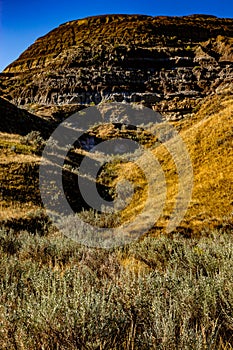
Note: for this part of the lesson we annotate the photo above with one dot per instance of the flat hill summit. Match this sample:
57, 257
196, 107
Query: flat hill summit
181, 67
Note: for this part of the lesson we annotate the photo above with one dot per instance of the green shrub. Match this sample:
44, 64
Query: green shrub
35, 139
59, 295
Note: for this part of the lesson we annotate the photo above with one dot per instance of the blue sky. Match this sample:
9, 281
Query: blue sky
23, 21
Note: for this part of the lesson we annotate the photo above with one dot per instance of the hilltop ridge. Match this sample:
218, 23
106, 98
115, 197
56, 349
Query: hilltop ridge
171, 60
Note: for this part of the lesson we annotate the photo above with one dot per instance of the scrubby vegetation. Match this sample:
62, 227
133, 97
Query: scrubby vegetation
163, 293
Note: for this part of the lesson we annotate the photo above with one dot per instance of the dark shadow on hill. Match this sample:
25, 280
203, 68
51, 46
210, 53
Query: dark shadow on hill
15, 120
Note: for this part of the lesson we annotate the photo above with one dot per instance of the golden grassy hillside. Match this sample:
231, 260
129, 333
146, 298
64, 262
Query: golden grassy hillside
20, 202
208, 137
209, 140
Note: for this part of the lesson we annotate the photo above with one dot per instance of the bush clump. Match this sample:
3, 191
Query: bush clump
35, 139
163, 293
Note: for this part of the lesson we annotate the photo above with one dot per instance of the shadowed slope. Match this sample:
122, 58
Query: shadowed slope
14, 120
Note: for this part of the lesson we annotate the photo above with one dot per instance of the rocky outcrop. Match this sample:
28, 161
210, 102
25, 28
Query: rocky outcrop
166, 63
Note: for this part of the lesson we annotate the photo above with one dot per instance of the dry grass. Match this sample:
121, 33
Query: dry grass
210, 145
18, 177
209, 139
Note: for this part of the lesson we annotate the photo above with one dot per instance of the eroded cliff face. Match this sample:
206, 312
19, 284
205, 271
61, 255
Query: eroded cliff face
166, 63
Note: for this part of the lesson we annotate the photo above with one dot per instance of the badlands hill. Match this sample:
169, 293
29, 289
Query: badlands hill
169, 63
181, 67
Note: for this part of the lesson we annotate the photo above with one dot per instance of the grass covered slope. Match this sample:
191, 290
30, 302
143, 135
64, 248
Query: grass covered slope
20, 148
210, 143
209, 140
207, 135
20, 202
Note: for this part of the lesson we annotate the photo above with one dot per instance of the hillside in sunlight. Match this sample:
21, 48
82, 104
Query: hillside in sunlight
180, 67
116, 186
